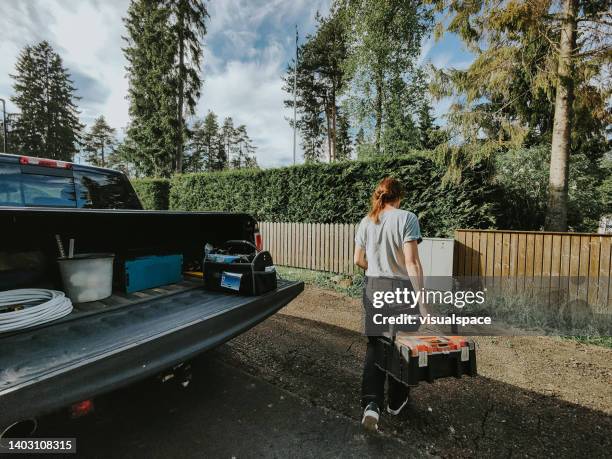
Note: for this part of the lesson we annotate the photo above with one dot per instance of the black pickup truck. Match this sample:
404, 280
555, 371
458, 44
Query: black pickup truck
107, 344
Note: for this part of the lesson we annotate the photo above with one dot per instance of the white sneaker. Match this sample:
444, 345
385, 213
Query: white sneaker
398, 410
371, 415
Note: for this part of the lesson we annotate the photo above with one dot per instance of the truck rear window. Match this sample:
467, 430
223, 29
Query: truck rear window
45, 187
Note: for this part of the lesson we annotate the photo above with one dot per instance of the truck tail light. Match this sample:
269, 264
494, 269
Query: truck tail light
31, 161
82, 408
258, 239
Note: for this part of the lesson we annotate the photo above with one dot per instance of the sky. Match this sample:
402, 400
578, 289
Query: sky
247, 48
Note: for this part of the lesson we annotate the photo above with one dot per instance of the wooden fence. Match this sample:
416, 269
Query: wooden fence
329, 247
579, 264
318, 246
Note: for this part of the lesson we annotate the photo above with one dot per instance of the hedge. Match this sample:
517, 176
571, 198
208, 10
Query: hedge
153, 192
340, 193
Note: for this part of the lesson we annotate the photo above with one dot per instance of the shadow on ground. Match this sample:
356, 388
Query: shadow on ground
290, 388
454, 417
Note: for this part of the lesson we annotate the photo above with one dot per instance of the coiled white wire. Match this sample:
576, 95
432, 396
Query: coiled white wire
40, 306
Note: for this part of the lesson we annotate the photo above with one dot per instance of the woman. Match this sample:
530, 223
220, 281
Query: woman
386, 247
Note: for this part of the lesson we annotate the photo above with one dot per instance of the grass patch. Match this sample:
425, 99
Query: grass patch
604, 341
350, 285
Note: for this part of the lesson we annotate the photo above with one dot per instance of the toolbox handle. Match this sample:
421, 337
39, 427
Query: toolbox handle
241, 242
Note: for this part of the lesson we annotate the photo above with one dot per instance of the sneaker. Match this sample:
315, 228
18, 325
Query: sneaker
398, 410
371, 414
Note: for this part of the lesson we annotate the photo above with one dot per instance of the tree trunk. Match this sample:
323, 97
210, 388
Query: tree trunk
333, 125
556, 214
379, 110
329, 128
181, 89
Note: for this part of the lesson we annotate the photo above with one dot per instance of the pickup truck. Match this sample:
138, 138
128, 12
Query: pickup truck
106, 344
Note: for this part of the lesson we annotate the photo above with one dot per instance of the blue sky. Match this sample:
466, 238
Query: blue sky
247, 49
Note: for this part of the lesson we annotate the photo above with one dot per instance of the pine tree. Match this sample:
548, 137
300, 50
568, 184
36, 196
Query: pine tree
188, 27
150, 52
244, 155
430, 134
99, 143
345, 144
120, 159
320, 81
164, 57
228, 135
221, 159
203, 145
48, 124
310, 121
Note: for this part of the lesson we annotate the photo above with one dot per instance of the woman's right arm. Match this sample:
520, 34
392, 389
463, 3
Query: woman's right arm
360, 257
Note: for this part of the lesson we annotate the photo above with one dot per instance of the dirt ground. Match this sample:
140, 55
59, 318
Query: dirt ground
534, 396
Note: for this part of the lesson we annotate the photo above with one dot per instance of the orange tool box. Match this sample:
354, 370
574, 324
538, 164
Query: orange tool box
411, 359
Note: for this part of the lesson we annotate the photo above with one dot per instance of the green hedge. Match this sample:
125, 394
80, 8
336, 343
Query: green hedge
153, 192
340, 193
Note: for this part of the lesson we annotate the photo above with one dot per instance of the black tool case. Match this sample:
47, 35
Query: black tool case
248, 270
412, 359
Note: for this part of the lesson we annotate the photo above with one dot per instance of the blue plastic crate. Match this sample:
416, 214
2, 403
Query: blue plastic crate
152, 271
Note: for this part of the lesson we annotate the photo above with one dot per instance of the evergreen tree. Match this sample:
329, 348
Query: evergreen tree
150, 52
203, 146
251, 162
188, 19
228, 136
119, 159
430, 134
99, 143
310, 121
345, 144
245, 150
164, 57
221, 159
320, 80
48, 125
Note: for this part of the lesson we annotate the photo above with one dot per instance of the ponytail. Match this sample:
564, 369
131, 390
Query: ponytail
388, 190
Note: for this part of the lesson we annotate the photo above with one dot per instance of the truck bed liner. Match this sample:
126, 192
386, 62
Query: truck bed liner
77, 359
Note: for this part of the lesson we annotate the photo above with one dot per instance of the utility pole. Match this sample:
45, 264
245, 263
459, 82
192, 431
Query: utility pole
5, 131
295, 70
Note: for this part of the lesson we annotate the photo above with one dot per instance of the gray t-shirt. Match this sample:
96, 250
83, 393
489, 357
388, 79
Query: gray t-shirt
384, 241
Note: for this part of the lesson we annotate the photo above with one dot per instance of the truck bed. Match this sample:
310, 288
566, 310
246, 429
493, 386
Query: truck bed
90, 353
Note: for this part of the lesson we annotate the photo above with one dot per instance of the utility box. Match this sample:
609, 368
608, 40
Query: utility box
436, 256
151, 271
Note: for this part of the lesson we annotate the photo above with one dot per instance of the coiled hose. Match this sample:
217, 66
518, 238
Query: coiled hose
39, 306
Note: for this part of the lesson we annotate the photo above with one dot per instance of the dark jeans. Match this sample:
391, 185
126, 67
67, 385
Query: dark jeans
373, 382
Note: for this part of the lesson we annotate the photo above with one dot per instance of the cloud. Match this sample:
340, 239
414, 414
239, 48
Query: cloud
247, 48
251, 93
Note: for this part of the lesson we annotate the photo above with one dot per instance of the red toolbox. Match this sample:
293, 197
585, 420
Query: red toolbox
411, 359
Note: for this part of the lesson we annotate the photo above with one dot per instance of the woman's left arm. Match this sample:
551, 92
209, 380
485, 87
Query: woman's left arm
415, 270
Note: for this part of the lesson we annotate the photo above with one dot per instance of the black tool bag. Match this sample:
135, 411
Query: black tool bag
244, 272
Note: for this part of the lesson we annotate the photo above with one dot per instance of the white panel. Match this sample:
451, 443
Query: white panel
436, 256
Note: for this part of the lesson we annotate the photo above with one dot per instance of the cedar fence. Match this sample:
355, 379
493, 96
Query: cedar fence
577, 263
319, 246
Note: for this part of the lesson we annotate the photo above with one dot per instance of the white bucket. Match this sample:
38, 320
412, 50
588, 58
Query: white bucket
87, 276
